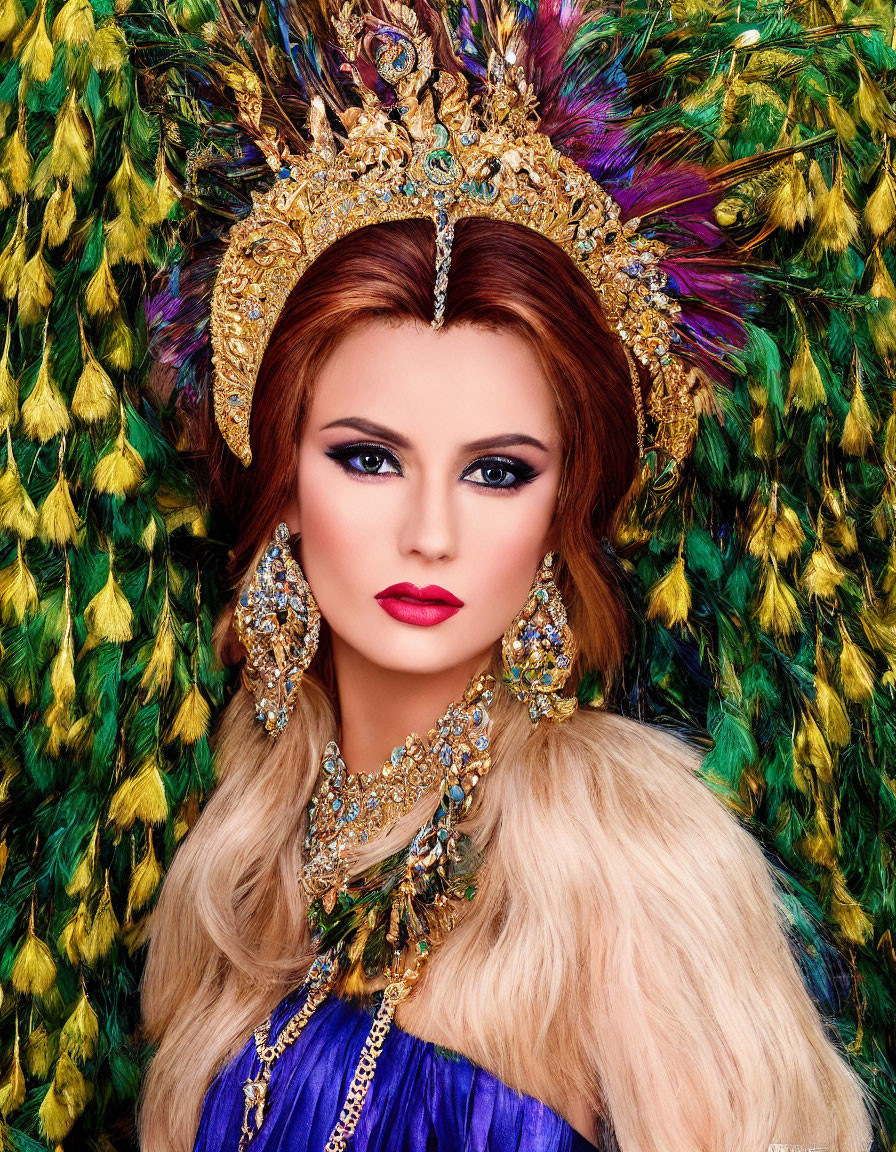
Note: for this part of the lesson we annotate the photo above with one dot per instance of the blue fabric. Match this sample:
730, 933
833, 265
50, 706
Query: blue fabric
422, 1099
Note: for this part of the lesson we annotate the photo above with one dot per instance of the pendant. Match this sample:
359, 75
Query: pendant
255, 1093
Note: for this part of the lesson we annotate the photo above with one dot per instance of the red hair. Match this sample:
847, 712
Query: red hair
502, 276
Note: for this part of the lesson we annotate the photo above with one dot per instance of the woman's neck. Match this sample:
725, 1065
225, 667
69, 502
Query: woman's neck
380, 707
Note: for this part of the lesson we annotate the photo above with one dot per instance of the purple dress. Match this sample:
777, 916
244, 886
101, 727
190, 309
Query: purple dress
423, 1098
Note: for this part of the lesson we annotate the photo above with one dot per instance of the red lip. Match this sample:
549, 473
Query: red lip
432, 592
421, 606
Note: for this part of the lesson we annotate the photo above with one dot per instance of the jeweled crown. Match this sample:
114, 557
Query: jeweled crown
435, 153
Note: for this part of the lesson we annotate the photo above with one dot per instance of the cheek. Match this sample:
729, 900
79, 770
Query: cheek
506, 542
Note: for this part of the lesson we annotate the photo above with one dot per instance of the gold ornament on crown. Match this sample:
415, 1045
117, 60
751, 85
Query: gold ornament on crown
438, 154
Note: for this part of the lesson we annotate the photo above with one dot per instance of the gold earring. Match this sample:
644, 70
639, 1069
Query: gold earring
538, 650
277, 621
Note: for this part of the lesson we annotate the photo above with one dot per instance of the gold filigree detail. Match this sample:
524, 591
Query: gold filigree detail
435, 154
351, 808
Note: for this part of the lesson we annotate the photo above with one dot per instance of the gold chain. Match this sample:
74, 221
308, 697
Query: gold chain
370, 1054
255, 1091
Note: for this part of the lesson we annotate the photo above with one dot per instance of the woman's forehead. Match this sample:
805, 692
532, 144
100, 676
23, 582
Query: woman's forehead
462, 381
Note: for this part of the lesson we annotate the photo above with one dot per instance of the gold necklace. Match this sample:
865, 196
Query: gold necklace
352, 808
413, 904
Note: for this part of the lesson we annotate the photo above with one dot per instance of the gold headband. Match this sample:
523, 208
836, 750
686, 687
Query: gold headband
482, 157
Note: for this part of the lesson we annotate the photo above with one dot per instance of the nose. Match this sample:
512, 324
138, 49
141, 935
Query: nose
429, 527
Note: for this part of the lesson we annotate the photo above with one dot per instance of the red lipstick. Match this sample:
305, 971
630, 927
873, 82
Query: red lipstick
421, 606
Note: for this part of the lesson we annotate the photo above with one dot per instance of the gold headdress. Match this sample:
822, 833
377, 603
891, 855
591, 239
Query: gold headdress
435, 153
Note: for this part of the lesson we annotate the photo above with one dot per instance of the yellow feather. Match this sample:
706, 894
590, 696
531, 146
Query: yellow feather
18, 592
855, 923
811, 749
126, 241
762, 434
119, 350
17, 159
157, 674
121, 470
860, 424
14, 255
33, 970
823, 575
132, 193
38, 1059
73, 937
110, 49
669, 600
12, 1093
62, 671
836, 224
56, 1121
806, 386
841, 121
870, 104
59, 522
17, 511
104, 929
95, 398
856, 674
146, 878
33, 47
762, 523
44, 414
192, 719
832, 714
81, 1031
843, 533
70, 158
880, 209
140, 797
882, 322
72, 1088
820, 845
777, 610
82, 877
789, 203
164, 193
59, 215
788, 534
12, 16
108, 615
35, 290
101, 295
149, 534
74, 23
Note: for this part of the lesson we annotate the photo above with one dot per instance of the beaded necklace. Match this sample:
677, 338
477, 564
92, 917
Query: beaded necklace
386, 920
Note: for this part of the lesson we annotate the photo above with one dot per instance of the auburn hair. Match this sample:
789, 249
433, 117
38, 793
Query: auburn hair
625, 950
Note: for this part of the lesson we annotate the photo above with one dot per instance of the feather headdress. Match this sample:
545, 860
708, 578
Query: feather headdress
298, 86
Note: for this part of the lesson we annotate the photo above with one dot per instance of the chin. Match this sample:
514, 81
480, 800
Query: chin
395, 659
422, 651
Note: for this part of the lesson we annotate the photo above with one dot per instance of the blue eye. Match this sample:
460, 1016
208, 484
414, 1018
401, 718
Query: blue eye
500, 473
366, 459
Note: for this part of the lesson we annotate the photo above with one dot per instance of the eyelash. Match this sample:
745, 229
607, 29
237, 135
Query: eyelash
343, 454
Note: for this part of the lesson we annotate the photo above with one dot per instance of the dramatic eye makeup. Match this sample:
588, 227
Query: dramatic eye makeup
501, 473
365, 459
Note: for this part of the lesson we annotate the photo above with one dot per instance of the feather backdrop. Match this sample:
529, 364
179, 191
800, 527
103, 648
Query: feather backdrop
764, 592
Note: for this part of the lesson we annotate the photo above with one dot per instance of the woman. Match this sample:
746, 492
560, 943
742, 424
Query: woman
621, 965
434, 339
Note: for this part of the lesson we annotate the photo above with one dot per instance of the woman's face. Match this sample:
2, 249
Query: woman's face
428, 473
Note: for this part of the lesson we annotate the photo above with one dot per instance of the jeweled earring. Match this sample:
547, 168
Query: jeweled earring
538, 650
277, 621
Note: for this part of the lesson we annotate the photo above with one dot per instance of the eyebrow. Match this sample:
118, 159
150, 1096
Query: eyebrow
369, 428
